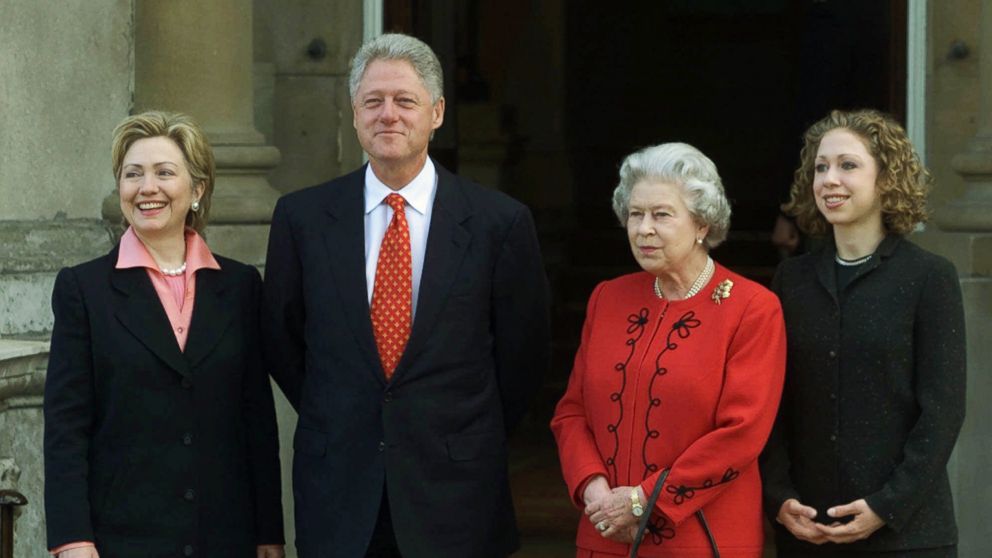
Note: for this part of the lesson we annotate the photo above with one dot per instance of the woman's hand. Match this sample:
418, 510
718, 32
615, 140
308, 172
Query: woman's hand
270, 551
597, 488
798, 519
612, 515
865, 523
81, 552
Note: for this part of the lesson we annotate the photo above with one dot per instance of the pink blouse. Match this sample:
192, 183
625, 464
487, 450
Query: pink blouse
176, 293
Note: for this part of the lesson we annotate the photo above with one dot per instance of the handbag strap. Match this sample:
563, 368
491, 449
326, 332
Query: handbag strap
643, 523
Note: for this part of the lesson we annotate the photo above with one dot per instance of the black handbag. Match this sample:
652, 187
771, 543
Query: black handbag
643, 524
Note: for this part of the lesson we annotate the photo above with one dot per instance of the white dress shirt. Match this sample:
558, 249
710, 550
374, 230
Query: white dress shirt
419, 195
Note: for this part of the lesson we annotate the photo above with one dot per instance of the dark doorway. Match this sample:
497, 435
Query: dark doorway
548, 97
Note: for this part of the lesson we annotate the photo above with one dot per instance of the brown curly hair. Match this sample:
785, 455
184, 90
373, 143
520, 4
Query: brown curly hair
903, 181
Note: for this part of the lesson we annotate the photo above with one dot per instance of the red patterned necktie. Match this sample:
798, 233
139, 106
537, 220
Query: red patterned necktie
392, 295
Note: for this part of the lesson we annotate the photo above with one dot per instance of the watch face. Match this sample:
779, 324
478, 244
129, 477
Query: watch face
638, 511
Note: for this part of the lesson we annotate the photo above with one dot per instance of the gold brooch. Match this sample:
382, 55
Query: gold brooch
722, 290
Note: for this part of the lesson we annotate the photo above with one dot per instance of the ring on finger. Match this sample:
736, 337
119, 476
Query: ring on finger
602, 526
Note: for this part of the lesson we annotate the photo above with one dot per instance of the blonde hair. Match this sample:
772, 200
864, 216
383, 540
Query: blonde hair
190, 139
902, 183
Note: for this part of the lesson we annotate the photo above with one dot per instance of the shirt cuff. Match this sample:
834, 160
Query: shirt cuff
70, 546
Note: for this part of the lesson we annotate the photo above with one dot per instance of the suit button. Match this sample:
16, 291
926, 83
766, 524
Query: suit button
382, 446
187, 439
189, 495
387, 397
187, 383
188, 550
833, 396
833, 437
833, 354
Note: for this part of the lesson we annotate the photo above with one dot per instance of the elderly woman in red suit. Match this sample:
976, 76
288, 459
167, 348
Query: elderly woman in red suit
160, 435
677, 380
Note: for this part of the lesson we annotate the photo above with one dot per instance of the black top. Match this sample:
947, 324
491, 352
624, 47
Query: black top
874, 394
151, 450
434, 435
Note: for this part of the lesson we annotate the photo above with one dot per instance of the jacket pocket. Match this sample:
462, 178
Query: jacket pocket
466, 447
310, 442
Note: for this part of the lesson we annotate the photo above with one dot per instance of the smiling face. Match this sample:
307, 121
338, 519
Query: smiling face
662, 232
155, 188
844, 181
394, 115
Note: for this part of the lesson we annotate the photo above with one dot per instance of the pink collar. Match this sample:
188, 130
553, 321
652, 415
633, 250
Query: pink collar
133, 253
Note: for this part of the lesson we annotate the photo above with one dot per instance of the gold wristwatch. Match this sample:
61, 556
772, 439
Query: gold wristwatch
635, 504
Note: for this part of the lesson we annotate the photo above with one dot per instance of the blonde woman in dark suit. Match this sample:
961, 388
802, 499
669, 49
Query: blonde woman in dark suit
160, 434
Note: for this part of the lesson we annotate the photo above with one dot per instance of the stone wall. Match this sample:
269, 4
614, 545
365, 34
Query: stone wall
22, 376
959, 136
65, 81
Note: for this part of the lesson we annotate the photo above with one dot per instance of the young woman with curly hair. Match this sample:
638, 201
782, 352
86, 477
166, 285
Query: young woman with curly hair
875, 382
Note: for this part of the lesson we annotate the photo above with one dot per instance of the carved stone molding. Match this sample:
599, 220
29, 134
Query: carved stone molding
9, 473
22, 373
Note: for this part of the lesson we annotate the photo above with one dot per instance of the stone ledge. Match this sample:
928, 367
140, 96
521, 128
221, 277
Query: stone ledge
22, 373
49, 245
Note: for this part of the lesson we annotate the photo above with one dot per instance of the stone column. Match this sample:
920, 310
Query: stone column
967, 222
196, 57
972, 212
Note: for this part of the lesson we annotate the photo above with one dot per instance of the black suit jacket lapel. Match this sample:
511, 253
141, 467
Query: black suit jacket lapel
140, 311
212, 314
344, 240
447, 243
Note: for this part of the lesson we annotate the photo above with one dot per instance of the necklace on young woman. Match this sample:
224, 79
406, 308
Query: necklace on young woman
852, 263
704, 277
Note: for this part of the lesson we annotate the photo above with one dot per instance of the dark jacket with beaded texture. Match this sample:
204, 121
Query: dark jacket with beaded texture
874, 394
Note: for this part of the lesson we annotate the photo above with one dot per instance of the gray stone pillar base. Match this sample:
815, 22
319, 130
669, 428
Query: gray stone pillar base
245, 243
31, 253
972, 211
22, 378
973, 453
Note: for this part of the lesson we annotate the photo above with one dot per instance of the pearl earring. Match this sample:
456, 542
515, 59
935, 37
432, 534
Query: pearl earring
196, 205
699, 241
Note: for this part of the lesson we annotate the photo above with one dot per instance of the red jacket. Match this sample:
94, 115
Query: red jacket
691, 385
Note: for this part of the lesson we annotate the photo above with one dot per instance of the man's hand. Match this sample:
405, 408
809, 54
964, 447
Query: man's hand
865, 523
82, 552
785, 236
798, 519
270, 551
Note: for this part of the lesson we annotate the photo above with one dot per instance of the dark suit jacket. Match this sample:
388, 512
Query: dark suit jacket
149, 449
435, 435
874, 394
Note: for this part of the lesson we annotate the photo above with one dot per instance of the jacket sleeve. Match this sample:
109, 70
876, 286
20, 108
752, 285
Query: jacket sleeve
775, 464
743, 418
259, 419
283, 311
69, 416
520, 318
939, 356
580, 457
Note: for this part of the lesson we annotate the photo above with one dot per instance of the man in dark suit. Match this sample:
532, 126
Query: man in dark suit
407, 316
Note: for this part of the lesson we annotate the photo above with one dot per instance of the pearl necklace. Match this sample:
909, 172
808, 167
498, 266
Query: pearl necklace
852, 263
704, 277
174, 272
